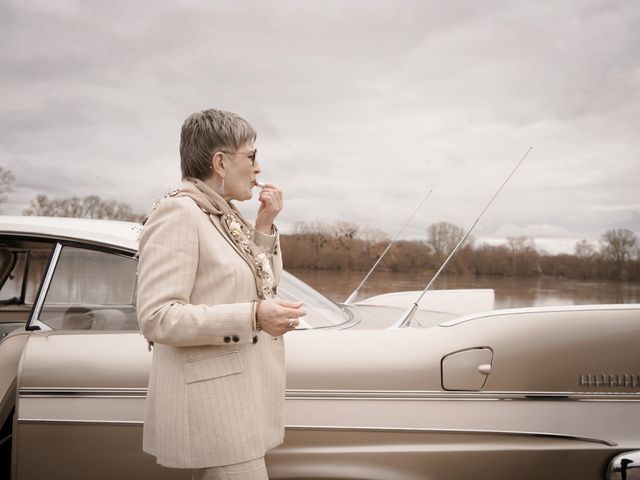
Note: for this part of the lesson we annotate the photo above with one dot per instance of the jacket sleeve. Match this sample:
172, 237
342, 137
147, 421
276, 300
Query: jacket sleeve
271, 244
166, 275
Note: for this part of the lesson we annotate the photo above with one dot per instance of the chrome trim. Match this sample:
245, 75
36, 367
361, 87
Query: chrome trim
453, 431
443, 395
84, 422
83, 392
44, 288
521, 311
356, 394
344, 428
624, 466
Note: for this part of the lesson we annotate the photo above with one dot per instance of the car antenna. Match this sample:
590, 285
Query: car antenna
408, 315
357, 290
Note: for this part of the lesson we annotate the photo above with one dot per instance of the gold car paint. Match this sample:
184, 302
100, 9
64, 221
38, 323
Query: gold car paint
366, 401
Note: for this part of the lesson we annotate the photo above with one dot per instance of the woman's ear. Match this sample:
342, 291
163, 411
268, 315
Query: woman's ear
217, 163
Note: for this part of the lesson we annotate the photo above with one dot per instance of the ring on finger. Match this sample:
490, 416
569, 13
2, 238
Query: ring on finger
292, 323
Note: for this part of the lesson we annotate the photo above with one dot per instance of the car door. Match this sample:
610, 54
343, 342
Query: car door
83, 373
23, 263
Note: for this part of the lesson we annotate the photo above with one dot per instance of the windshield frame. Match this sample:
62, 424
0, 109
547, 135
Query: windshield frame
318, 301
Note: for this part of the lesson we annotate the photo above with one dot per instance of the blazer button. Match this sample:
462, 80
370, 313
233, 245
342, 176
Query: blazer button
227, 339
235, 338
255, 339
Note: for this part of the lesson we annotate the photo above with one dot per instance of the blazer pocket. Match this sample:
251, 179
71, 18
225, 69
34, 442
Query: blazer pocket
214, 366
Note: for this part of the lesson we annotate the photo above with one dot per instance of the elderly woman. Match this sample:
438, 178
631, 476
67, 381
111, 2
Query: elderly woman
207, 303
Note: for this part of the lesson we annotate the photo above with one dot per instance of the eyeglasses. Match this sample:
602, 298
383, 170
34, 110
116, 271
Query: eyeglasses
250, 155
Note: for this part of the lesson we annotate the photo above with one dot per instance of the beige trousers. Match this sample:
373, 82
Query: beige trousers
251, 470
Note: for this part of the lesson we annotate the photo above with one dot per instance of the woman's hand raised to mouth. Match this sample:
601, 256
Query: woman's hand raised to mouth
271, 204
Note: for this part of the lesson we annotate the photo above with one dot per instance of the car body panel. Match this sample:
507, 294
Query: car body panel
400, 401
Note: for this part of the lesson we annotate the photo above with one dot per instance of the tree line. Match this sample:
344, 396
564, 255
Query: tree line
346, 246
91, 206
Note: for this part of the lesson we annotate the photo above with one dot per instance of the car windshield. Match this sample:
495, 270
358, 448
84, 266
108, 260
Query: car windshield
321, 311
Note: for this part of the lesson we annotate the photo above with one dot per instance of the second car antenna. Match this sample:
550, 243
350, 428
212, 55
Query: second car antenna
408, 315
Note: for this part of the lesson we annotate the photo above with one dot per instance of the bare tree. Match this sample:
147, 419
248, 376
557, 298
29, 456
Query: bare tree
442, 238
524, 256
6, 183
90, 206
345, 230
584, 249
520, 244
373, 235
619, 245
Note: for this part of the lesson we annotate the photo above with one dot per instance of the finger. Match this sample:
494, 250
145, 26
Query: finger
270, 186
288, 303
267, 201
274, 194
294, 313
271, 193
269, 198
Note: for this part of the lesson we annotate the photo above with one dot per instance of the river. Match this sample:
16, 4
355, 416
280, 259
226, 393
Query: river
510, 291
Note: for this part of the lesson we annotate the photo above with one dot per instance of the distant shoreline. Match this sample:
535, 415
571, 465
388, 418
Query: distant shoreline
348, 247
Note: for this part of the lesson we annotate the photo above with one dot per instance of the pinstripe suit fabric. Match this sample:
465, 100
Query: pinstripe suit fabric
209, 402
252, 470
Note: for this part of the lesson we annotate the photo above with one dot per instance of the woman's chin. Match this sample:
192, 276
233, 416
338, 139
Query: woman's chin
246, 196
242, 196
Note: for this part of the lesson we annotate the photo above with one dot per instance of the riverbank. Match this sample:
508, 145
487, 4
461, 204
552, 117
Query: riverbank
345, 246
510, 291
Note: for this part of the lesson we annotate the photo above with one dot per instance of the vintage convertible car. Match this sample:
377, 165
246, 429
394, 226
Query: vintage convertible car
464, 391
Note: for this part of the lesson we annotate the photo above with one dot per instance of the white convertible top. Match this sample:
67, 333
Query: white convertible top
121, 235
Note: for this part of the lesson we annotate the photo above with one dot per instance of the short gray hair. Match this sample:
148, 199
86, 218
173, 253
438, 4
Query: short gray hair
207, 132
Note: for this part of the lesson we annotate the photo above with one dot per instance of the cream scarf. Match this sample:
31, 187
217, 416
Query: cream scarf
237, 229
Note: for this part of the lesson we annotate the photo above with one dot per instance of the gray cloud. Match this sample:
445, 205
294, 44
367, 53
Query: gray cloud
361, 106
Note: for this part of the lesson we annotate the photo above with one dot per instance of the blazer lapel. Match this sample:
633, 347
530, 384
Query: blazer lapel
214, 220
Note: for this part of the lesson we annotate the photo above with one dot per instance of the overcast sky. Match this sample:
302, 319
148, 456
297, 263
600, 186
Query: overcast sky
361, 106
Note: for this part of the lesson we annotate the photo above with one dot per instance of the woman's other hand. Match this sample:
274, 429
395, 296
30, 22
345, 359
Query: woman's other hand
271, 204
275, 314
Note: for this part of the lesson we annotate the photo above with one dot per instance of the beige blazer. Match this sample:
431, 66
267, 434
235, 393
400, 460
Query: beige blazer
215, 397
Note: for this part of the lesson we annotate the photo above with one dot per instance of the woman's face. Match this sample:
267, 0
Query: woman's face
241, 168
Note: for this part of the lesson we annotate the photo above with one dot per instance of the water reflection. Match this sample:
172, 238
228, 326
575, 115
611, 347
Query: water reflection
510, 291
